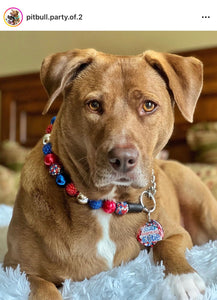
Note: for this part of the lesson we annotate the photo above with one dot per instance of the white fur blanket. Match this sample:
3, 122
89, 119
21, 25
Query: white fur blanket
137, 280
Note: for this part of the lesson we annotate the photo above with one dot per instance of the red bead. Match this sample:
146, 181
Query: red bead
50, 159
71, 190
109, 206
49, 128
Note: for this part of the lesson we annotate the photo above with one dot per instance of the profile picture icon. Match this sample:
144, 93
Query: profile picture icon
13, 16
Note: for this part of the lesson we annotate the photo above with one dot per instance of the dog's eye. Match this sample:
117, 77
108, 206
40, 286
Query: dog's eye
149, 106
95, 106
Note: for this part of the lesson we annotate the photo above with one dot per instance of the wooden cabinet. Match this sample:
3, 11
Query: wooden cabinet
22, 101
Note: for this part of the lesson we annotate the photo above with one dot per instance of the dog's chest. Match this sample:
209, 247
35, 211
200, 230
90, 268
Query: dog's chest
106, 248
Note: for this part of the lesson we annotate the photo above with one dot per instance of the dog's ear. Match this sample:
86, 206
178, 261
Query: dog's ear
183, 76
59, 69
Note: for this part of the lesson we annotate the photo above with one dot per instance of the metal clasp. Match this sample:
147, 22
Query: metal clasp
150, 196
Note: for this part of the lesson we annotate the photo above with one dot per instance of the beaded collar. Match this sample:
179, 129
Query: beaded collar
148, 235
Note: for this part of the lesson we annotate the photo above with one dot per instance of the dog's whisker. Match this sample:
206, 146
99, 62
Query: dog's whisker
82, 158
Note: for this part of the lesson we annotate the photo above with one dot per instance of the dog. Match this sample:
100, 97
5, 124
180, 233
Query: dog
117, 115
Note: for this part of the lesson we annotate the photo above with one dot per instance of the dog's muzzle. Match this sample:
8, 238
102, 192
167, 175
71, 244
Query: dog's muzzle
121, 165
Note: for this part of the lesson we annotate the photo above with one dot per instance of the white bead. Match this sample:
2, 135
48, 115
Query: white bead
46, 138
82, 199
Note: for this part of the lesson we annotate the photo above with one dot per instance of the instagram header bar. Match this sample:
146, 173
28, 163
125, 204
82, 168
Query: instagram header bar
112, 15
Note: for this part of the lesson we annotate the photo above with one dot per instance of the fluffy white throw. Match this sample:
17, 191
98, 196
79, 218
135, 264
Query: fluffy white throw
138, 280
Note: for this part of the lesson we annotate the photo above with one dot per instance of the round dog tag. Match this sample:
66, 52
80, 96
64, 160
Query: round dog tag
151, 233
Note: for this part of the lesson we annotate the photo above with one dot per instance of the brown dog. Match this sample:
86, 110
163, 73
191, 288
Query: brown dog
116, 116
15, 15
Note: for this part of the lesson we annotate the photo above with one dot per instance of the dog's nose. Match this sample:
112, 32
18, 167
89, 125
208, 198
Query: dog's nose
123, 159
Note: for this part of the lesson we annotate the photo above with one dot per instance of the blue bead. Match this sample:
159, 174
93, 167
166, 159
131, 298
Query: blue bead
53, 120
95, 204
47, 148
60, 180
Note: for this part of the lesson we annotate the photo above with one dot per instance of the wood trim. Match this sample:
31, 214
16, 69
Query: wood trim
19, 82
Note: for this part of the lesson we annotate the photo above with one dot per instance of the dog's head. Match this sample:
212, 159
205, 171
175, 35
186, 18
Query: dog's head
117, 112
14, 13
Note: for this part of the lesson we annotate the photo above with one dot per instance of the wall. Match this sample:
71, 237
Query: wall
23, 52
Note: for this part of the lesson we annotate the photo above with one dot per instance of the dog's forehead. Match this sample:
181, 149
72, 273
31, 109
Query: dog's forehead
119, 77
115, 63
127, 71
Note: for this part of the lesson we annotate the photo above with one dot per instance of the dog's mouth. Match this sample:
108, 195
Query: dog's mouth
122, 181
134, 180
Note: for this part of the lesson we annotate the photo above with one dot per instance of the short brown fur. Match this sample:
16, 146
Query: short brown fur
52, 236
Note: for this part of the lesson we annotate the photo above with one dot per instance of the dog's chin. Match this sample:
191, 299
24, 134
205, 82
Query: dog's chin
138, 179
124, 182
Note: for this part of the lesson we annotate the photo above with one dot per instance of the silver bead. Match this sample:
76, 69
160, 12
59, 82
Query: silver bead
82, 199
46, 138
